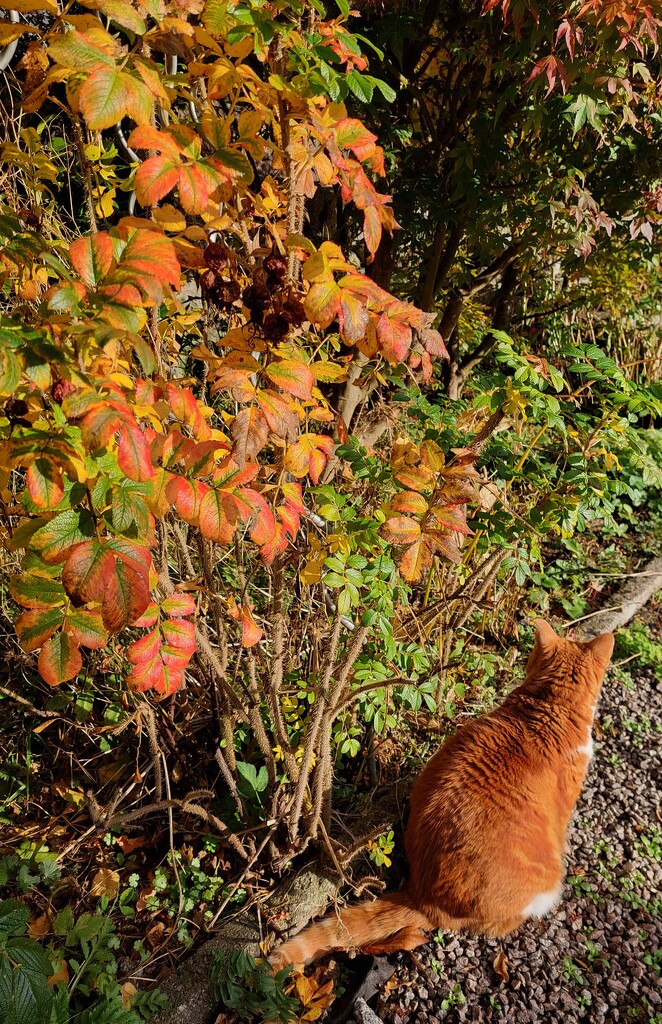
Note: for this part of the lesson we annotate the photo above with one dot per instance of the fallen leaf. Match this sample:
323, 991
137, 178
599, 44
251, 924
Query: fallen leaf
39, 927
127, 845
105, 883
501, 964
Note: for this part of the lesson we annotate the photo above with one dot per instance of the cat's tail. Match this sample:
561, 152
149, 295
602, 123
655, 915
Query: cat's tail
388, 924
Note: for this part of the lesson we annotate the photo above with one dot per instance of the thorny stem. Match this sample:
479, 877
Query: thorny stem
276, 677
313, 731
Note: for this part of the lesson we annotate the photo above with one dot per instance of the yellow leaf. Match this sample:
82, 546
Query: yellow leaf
169, 217
128, 994
105, 883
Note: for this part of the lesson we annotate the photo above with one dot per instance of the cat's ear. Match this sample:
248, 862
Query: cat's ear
602, 647
546, 638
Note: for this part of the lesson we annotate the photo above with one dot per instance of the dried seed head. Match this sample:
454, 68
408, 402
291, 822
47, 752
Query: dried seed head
276, 326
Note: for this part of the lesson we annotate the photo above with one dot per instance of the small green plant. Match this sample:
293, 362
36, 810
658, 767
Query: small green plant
73, 977
654, 959
635, 639
649, 843
250, 988
594, 955
455, 997
571, 971
583, 889
380, 850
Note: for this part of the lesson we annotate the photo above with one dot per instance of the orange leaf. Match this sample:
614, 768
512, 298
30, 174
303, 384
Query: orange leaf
59, 660
279, 414
409, 501
36, 626
157, 176
400, 530
293, 376
44, 483
92, 257
193, 193
441, 543
322, 302
218, 517
86, 628
418, 478
249, 431
414, 561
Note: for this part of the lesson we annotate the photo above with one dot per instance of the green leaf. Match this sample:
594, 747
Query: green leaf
25, 996
54, 540
13, 917
32, 591
360, 86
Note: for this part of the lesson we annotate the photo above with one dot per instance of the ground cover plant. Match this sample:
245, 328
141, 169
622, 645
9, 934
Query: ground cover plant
329, 354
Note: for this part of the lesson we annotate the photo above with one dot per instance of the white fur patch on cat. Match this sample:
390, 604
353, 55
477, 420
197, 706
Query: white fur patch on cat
587, 748
542, 903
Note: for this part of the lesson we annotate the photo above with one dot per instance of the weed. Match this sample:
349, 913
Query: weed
583, 889
654, 959
74, 977
649, 843
571, 971
381, 849
594, 955
454, 998
250, 988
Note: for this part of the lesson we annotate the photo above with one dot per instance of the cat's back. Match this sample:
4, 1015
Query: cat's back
487, 772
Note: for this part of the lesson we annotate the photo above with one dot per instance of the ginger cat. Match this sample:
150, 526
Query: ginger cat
489, 814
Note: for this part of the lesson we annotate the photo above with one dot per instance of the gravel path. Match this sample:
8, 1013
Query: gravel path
598, 957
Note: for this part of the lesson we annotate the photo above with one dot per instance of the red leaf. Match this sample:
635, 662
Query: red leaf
133, 454
180, 634
179, 605
126, 598
145, 649
87, 570
186, 496
59, 660
394, 338
218, 517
